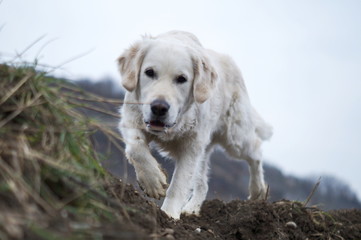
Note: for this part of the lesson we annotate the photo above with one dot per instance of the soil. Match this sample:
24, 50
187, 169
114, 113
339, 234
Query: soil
237, 219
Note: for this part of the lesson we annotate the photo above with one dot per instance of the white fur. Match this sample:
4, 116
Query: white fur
211, 108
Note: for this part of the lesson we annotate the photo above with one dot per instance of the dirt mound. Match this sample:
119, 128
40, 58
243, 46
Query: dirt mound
240, 220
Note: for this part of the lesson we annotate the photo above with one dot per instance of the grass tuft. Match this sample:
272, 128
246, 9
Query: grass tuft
51, 180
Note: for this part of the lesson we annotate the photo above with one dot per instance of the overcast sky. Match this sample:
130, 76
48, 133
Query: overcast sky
301, 61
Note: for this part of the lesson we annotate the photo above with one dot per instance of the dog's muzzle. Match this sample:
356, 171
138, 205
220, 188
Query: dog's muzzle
159, 110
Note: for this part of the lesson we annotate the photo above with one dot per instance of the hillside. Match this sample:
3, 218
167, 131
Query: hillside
53, 187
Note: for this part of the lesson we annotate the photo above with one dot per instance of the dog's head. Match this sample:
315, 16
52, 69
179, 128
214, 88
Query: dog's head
168, 74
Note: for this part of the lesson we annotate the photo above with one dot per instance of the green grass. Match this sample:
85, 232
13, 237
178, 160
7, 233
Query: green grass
51, 182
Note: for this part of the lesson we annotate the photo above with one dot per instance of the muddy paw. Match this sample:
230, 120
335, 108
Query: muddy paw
153, 183
191, 209
259, 194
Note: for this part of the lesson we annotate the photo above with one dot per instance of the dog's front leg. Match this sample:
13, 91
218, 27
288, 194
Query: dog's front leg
181, 185
151, 178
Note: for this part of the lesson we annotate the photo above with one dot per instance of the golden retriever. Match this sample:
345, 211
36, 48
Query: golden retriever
183, 100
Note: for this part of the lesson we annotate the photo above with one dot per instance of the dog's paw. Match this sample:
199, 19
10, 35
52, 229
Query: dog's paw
191, 209
171, 211
153, 183
258, 193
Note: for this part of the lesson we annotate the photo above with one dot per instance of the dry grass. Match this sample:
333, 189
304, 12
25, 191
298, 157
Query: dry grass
49, 172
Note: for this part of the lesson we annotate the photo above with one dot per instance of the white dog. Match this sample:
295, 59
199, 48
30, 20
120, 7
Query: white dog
186, 99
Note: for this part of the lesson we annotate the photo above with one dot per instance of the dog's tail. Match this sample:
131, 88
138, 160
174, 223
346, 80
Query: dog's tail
263, 129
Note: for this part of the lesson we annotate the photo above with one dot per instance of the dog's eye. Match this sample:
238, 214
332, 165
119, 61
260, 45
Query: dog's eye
181, 79
150, 72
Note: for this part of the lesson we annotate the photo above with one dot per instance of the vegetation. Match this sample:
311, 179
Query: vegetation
48, 167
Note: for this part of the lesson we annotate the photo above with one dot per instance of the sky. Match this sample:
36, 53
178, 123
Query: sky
301, 61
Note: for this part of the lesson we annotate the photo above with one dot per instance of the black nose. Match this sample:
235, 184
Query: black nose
159, 107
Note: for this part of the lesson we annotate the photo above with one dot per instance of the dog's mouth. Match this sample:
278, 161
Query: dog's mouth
158, 125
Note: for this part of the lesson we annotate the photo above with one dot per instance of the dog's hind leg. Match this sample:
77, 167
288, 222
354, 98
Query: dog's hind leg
257, 186
251, 152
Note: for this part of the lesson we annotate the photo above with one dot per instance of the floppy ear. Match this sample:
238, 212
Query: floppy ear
129, 65
205, 78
